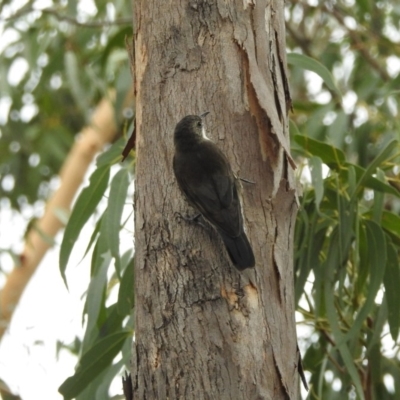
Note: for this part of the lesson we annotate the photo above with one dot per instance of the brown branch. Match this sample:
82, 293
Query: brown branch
358, 44
101, 130
300, 40
70, 20
354, 37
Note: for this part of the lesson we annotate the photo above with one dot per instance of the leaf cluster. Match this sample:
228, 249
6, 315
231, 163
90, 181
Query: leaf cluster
56, 63
345, 133
347, 270
109, 328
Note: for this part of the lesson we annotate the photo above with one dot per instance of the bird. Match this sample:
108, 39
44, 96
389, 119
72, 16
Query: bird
206, 179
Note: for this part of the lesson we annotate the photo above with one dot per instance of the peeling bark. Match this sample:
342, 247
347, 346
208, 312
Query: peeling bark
203, 330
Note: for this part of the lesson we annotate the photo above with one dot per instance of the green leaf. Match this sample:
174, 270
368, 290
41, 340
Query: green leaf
112, 155
391, 222
330, 155
126, 293
363, 261
351, 177
113, 321
377, 262
102, 386
94, 361
372, 182
96, 296
341, 346
379, 159
116, 202
73, 72
94, 236
310, 64
83, 209
115, 41
378, 199
294, 130
338, 129
392, 284
316, 179
379, 320
332, 262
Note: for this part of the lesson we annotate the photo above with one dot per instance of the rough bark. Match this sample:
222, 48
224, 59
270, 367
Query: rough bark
203, 330
101, 130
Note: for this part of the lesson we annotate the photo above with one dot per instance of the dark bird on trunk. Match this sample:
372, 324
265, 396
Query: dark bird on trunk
205, 177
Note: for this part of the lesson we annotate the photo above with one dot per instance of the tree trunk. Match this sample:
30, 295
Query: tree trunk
203, 330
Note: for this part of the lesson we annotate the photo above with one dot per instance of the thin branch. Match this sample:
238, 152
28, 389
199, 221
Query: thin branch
354, 37
358, 44
300, 40
70, 20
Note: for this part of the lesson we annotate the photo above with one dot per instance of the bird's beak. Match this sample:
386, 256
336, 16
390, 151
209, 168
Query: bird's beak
204, 114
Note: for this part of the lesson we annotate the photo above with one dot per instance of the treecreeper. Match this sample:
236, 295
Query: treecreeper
205, 177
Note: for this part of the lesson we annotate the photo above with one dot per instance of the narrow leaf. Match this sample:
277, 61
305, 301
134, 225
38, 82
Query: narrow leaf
316, 178
377, 261
112, 155
392, 285
391, 222
73, 72
341, 345
332, 262
126, 293
116, 202
94, 236
379, 159
95, 298
378, 199
330, 155
310, 64
94, 361
83, 209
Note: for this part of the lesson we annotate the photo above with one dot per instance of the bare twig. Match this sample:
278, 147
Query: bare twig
71, 20
358, 44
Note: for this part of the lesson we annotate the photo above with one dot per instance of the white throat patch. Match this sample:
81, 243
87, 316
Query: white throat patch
203, 133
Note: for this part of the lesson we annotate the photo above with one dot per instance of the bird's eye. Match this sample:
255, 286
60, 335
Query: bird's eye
199, 124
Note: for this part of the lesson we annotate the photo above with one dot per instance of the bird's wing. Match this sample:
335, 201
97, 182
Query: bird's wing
212, 190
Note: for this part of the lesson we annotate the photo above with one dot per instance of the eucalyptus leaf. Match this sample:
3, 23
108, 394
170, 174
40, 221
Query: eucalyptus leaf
378, 161
126, 294
95, 298
112, 155
93, 362
330, 155
310, 64
316, 179
377, 262
116, 202
83, 209
392, 284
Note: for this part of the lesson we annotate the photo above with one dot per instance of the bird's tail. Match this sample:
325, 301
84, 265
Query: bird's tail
239, 250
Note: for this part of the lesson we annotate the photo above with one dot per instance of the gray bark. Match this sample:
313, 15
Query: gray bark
204, 330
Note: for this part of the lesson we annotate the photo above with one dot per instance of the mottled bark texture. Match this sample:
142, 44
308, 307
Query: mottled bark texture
204, 330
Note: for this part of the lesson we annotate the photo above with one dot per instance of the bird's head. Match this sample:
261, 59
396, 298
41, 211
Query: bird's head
191, 125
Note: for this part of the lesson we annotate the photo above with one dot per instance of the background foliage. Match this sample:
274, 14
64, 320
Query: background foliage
348, 229
344, 127
57, 63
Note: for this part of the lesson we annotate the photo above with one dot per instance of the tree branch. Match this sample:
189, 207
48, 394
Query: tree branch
358, 44
70, 20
